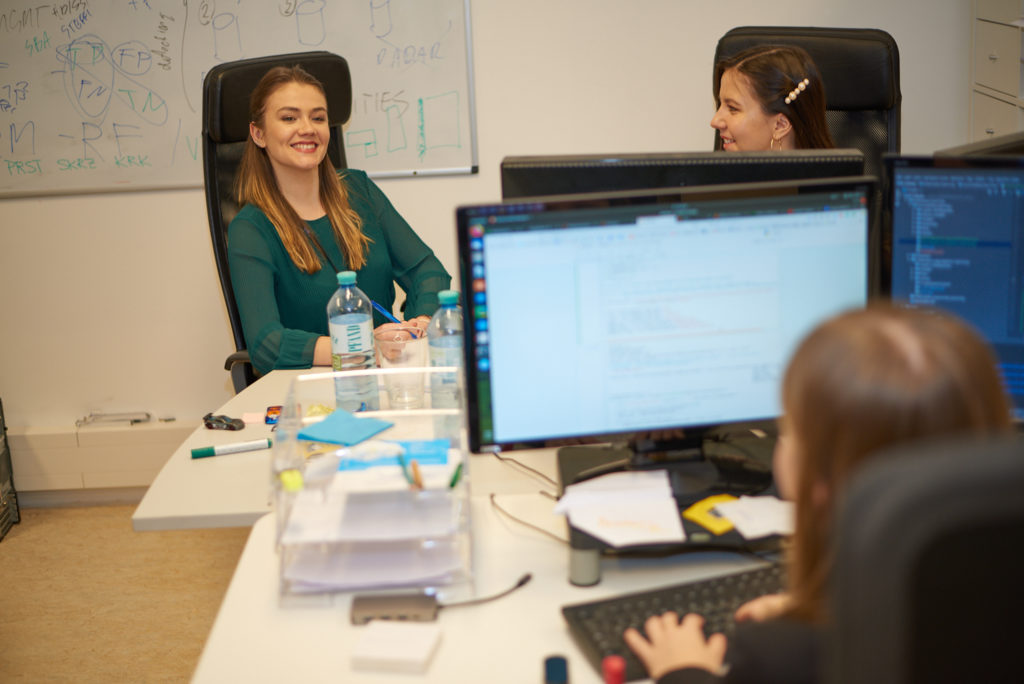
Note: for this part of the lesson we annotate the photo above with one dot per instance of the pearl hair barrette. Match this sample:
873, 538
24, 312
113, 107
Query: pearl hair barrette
800, 87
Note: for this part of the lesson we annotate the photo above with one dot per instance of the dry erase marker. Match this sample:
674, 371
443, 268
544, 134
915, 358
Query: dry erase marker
220, 449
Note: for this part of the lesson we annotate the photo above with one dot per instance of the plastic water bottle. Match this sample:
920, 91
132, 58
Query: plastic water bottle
350, 318
444, 335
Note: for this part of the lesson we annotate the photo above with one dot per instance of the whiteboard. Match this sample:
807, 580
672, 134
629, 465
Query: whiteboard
106, 95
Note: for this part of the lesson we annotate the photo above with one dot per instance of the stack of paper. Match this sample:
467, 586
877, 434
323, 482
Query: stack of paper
358, 523
623, 509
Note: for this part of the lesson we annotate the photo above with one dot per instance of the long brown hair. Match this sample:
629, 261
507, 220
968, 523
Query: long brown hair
863, 380
257, 185
773, 71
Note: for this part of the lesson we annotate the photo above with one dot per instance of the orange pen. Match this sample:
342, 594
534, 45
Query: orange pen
417, 476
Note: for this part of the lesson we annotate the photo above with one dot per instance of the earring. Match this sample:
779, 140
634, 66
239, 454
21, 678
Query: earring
771, 145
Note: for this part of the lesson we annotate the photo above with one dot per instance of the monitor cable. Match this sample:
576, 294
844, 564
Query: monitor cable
536, 473
497, 507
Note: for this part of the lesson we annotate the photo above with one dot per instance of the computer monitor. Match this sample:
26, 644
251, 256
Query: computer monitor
1011, 143
623, 316
538, 176
956, 226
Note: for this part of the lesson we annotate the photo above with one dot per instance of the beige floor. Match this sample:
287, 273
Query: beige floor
84, 598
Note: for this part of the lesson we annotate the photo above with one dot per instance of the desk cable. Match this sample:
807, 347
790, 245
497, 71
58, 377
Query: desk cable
536, 473
513, 518
484, 599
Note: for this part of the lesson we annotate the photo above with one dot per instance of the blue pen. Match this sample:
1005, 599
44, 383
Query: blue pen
384, 312
387, 314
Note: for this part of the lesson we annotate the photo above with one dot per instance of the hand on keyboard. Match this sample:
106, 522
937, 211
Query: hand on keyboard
598, 626
763, 608
672, 644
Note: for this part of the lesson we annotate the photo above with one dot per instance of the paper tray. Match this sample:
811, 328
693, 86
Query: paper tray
347, 517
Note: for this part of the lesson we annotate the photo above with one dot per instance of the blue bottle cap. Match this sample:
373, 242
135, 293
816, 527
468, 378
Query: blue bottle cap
556, 670
347, 278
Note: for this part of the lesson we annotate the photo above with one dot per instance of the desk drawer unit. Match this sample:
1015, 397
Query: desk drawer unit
1003, 11
994, 117
997, 50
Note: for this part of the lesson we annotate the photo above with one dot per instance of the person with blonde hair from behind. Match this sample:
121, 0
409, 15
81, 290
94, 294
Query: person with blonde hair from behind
863, 380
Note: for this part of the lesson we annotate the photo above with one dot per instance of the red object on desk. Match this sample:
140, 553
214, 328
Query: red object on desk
613, 669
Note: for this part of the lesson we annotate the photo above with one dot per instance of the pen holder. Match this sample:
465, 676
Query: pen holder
388, 510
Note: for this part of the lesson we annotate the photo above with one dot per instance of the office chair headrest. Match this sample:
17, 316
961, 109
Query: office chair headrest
860, 67
229, 85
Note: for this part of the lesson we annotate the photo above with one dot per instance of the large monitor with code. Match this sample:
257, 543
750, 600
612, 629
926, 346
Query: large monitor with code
614, 317
956, 229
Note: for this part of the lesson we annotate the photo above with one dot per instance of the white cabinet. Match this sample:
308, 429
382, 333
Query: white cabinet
997, 72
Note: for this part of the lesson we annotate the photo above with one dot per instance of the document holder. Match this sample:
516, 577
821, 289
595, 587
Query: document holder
715, 471
389, 512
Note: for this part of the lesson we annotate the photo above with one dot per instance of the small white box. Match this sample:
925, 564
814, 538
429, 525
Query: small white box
392, 646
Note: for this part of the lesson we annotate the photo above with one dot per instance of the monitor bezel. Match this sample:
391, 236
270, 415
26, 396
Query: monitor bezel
676, 162
651, 197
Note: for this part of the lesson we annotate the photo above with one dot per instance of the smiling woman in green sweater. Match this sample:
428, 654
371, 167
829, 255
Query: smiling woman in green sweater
303, 221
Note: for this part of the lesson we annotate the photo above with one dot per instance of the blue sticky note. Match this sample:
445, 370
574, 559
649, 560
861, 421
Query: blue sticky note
424, 452
341, 427
364, 464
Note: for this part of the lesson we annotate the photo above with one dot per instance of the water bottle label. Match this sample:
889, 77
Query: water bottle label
351, 333
445, 356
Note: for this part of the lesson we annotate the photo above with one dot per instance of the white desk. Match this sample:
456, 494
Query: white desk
221, 491
256, 640
234, 490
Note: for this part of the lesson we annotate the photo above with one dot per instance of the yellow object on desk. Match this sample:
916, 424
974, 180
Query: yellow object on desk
704, 515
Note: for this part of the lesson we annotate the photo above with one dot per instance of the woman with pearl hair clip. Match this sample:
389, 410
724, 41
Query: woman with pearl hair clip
770, 97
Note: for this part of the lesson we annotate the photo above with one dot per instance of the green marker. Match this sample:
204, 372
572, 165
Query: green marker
455, 476
255, 445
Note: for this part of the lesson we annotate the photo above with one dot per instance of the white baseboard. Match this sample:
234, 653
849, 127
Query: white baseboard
92, 457
66, 498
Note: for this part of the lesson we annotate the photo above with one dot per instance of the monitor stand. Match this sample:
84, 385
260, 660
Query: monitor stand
695, 467
682, 458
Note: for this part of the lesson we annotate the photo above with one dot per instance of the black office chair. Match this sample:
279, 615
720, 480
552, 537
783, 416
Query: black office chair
226, 91
861, 72
927, 584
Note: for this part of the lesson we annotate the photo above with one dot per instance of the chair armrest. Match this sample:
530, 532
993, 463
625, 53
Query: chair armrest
241, 356
242, 372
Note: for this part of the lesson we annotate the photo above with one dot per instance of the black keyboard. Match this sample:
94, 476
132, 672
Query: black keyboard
597, 626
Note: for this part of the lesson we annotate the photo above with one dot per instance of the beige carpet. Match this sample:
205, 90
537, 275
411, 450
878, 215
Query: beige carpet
84, 598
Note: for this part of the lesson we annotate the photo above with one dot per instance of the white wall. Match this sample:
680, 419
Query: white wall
111, 301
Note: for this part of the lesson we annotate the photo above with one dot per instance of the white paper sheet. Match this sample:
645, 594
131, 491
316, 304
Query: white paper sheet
759, 516
325, 516
365, 565
623, 509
